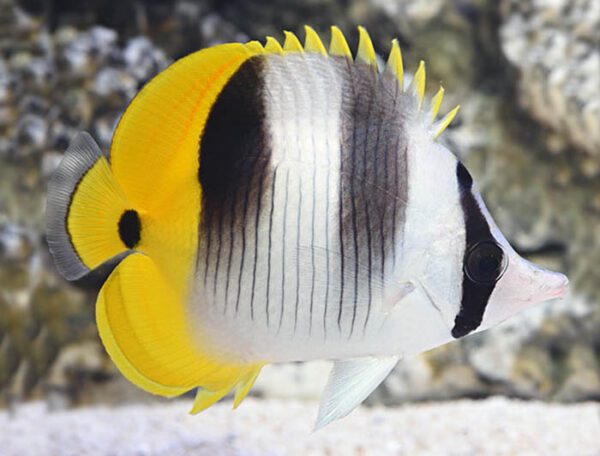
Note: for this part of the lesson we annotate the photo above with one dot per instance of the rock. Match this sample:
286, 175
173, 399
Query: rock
582, 375
556, 48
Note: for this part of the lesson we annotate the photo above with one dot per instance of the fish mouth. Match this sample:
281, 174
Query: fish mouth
551, 285
558, 286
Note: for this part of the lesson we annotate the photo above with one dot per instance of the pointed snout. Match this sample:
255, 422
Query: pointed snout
538, 283
523, 285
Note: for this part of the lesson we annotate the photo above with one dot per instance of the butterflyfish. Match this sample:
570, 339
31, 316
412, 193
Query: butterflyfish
269, 203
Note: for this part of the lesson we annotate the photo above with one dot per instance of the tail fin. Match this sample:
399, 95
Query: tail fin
88, 218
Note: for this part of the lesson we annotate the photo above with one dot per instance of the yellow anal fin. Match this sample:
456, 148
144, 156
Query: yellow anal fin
245, 384
205, 398
145, 328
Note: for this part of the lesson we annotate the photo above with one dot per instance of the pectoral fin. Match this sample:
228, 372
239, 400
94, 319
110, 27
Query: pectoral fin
396, 293
350, 383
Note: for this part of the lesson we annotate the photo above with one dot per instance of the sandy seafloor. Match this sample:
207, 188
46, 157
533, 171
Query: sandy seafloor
495, 426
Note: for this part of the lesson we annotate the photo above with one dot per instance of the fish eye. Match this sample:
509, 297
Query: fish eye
485, 262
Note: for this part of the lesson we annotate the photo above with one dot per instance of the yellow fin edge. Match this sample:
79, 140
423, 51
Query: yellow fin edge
339, 45
272, 46
441, 125
366, 52
144, 326
292, 43
242, 385
129, 371
312, 41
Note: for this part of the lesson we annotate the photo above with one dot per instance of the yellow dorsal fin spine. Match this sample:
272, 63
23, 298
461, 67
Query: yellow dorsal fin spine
272, 46
245, 384
312, 42
418, 83
436, 102
292, 43
255, 47
366, 53
441, 125
338, 44
394, 63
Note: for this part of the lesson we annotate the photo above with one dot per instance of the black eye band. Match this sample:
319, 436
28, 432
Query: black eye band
485, 262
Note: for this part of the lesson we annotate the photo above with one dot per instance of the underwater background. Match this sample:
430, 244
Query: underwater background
527, 76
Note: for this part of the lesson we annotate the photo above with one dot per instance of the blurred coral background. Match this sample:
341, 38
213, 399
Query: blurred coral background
527, 74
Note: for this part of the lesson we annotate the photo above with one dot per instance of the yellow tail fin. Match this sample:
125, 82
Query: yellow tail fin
89, 219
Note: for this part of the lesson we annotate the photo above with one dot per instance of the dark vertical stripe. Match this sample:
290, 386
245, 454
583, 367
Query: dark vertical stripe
219, 247
207, 258
373, 184
327, 257
394, 212
243, 254
341, 241
231, 245
298, 222
354, 238
256, 231
234, 150
271, 211
368, 155
283, 246
382, 219
312, 251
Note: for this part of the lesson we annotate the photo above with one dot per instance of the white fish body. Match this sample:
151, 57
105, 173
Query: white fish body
295, 206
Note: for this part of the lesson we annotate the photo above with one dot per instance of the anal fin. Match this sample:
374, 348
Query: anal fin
350, 382
205, 398
144, 325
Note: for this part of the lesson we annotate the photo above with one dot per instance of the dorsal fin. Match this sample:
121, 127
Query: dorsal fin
272, 46
312, 42
394, 64
440, 126
338, 44
436, 102
255, 47
292, 43
417, 86
365, 53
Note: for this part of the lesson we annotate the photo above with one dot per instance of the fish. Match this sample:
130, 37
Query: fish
268, 203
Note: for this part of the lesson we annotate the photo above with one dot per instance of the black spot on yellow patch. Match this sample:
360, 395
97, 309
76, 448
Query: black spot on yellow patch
130, 228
